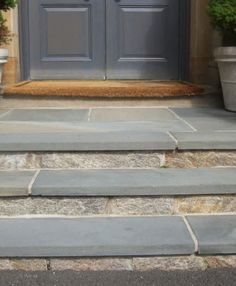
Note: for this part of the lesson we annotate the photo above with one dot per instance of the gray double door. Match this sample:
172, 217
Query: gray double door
103, 39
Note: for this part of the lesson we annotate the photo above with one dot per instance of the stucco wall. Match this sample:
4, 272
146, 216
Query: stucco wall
202, 42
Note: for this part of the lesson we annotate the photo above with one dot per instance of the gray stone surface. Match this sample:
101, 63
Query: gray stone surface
3, 111
81, 160
53, 206
93, 141
206, 140
189, 263
131, 114
47, 115
120, 182
204, 119
19, 161
117, 129
141, 206
203, 112
67, 127
15, 183
91, 264
58, 237
215, 234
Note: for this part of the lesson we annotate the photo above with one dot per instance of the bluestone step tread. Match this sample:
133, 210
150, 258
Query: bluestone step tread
215, 234
205, 140
15, 183
114, 236
202, 112
131, 114
86, 141
135, 182
3, 112
46, 115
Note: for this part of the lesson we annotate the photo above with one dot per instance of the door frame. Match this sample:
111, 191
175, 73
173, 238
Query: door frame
184, 49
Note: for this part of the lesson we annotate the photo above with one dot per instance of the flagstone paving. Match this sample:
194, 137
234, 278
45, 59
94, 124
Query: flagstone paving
117, 129
208, 119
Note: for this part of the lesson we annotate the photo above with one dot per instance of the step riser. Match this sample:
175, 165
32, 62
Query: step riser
172, 263
117, 206
83, 160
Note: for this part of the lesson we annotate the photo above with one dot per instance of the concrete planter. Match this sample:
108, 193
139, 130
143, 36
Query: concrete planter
226, 58
3, 60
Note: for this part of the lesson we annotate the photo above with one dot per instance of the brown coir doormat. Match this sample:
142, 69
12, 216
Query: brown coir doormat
111, 89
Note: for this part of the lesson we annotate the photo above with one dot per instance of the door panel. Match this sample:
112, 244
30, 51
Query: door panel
143, 39
67, 39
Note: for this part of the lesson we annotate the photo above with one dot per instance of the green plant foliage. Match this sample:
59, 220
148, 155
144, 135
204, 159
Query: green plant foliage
223, 16
5, 35
7, 4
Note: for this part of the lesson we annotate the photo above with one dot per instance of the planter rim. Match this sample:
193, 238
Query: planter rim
227, 52
3, 50
3, 53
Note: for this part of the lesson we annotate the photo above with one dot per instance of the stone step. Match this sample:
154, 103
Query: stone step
133, 137
116, 129
119, 182
117, 236
86, 141
67, 237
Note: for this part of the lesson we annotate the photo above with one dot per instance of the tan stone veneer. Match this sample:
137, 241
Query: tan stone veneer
83, 160
202, 42
141, 264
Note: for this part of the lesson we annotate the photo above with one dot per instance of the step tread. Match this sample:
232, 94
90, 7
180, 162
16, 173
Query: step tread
117, 129
15, 183
215, 234
130, 182
84, 141
205, 140
117, 236
114, 236
119, 182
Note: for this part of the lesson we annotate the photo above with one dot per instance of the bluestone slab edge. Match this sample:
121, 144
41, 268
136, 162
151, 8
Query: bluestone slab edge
215, 234
135, 182
81, 237
15, 183
47, 115
205, 140
86, 141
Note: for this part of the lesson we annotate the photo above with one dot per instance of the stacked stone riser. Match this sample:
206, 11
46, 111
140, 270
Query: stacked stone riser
122, 205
